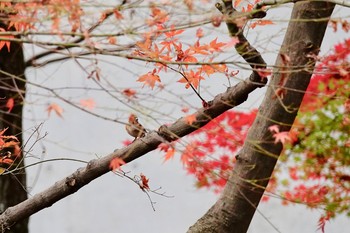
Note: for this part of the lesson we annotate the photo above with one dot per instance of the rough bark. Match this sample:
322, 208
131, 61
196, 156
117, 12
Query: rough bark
255, 162
12, 185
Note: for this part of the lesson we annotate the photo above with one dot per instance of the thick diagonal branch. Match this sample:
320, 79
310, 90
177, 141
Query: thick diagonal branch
221, 103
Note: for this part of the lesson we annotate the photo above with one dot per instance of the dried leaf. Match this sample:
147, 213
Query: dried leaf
131, 93
144, 183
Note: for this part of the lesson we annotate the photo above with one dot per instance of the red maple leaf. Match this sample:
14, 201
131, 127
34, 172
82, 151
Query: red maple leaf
129, 92
173, 32
144, 183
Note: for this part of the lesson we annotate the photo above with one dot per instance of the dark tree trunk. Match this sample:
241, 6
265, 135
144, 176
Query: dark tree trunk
255, 162
12, 85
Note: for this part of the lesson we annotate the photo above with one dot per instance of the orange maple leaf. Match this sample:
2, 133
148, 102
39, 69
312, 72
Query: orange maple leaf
190, 119
4, 42
249, 8
173, 32
3, 131
185, 158
222, 68
216, 47
193, 78
199, 49
9, 137
10, 144
169, 154
56, 108
6, 161
10, 104
260, 22
116, 163
88, 103
112, 40
149, 79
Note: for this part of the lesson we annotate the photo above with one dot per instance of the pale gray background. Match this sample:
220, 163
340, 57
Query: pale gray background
114, 204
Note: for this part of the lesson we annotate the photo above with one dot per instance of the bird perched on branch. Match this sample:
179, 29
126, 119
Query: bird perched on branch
134, 128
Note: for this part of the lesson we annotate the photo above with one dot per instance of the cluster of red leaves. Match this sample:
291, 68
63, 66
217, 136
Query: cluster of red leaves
321, 151
8, 143
201, 156
331, 79
319, 180
313, 195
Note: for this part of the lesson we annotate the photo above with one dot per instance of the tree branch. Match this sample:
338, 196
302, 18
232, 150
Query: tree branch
243, 47
232, 97
31, 61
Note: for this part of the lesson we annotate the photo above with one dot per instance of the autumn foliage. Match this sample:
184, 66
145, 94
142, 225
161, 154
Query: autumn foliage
316, 151
10, 151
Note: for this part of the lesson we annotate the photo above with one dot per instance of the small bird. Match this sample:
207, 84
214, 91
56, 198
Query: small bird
134, 128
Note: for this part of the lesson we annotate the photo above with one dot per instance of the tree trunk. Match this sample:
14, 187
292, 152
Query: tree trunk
12, 185
255, 162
